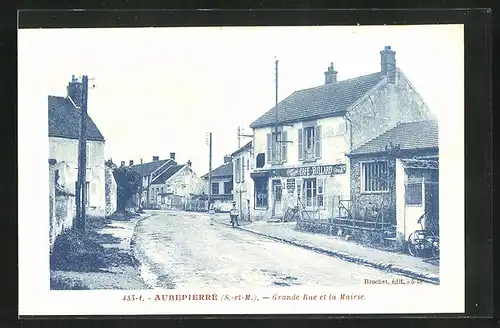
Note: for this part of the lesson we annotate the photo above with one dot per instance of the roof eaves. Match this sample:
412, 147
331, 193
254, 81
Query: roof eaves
380, 153
306, 119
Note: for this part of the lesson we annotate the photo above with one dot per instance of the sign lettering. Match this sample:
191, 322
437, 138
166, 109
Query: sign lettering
310, 171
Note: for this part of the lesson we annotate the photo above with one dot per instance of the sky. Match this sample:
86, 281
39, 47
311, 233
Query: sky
161, 90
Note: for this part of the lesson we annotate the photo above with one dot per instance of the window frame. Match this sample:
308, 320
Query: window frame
421, 193
362, 176
265, 185
212, 188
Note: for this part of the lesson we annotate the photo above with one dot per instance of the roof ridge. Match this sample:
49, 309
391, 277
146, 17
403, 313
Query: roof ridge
336, 83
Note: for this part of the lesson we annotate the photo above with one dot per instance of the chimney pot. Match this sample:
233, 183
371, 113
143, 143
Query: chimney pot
172, 156
388, 63
330, 75
122, 163
189, 162
156, 158
75, 91
131, 162
141, 160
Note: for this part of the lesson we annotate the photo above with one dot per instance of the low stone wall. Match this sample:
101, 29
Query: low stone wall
62, 206
365, 236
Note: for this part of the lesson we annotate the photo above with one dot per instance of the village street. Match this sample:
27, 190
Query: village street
182, 249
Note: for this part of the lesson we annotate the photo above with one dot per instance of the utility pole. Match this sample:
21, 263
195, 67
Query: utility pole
276, 144
239, 137
81, 192
209, 170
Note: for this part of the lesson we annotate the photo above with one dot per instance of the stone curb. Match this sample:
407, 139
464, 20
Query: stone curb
427, 277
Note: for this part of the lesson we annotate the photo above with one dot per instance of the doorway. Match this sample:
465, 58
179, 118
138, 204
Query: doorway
432, 206
277, 190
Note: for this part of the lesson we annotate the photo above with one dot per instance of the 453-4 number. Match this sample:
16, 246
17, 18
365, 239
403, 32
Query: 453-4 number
130, 298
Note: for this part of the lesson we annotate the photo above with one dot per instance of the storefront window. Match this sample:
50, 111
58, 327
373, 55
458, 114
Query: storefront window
310, 192
261, 193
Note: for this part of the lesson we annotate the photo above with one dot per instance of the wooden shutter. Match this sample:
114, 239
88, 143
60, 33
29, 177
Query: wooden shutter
269, 144
243, 169
237, 170
317, 142
284, 146
300, 144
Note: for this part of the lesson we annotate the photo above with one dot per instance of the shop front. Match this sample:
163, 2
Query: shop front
310, 188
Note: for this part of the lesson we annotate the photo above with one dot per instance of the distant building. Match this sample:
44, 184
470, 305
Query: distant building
221, 185
300, 157
243, 162
175, 186
396, 174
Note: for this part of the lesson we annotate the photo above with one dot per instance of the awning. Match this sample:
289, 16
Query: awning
260, 174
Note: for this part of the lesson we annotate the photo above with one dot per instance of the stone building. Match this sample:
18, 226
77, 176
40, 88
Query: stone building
394, 181
300, 151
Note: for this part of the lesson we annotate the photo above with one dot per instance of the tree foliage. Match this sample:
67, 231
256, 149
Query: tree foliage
128, 183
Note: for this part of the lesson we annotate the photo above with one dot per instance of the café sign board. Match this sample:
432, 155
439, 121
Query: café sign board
310, 171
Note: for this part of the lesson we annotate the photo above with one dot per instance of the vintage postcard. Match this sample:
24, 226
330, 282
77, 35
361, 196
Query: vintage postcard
241, 170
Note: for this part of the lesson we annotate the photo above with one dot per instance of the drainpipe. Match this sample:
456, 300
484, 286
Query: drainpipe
350, 132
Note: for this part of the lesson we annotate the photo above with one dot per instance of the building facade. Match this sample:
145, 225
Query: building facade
243, 163
300, 151
395, 180
64, 131
221, 186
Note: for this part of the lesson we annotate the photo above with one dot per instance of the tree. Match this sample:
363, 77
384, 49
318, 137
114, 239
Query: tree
128, 183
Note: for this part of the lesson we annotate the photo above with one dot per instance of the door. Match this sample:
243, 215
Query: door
310, 194
432, 206
277, 197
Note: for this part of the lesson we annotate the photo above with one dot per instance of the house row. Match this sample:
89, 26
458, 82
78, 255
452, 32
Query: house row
361, 152
166, 183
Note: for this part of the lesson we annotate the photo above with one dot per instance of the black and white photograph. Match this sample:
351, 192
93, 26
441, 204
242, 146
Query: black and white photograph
193, 170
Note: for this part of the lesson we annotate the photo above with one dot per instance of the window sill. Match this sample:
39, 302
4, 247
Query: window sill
309, 160
413, 205
374, 192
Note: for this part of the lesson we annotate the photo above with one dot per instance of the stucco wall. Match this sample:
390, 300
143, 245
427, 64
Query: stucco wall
218, 180
62, 149
384, 108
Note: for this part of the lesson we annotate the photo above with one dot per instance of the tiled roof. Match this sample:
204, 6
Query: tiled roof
148, 168
171, 170
409, 136
64, 120
224, 170
322, 101
248, 145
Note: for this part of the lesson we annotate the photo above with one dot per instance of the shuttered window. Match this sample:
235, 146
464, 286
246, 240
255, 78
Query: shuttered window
309, 143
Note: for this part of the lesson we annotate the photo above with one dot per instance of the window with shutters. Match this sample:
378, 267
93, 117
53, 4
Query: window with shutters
237, 168
242, 169
309, 143
277, 147
374, 177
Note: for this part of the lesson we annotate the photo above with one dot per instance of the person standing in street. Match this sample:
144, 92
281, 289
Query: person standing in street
234, 213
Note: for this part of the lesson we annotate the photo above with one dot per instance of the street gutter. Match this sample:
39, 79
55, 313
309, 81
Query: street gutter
388, 267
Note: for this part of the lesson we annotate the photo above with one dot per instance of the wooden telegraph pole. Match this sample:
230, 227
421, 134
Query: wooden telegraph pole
277, 145
81, 192
209, 170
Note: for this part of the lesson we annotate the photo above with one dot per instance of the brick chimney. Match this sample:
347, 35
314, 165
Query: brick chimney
172, 156
131, 162
189, 162
388, 63
75, 90
227, 159
122, 163
156, 158
330, 75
